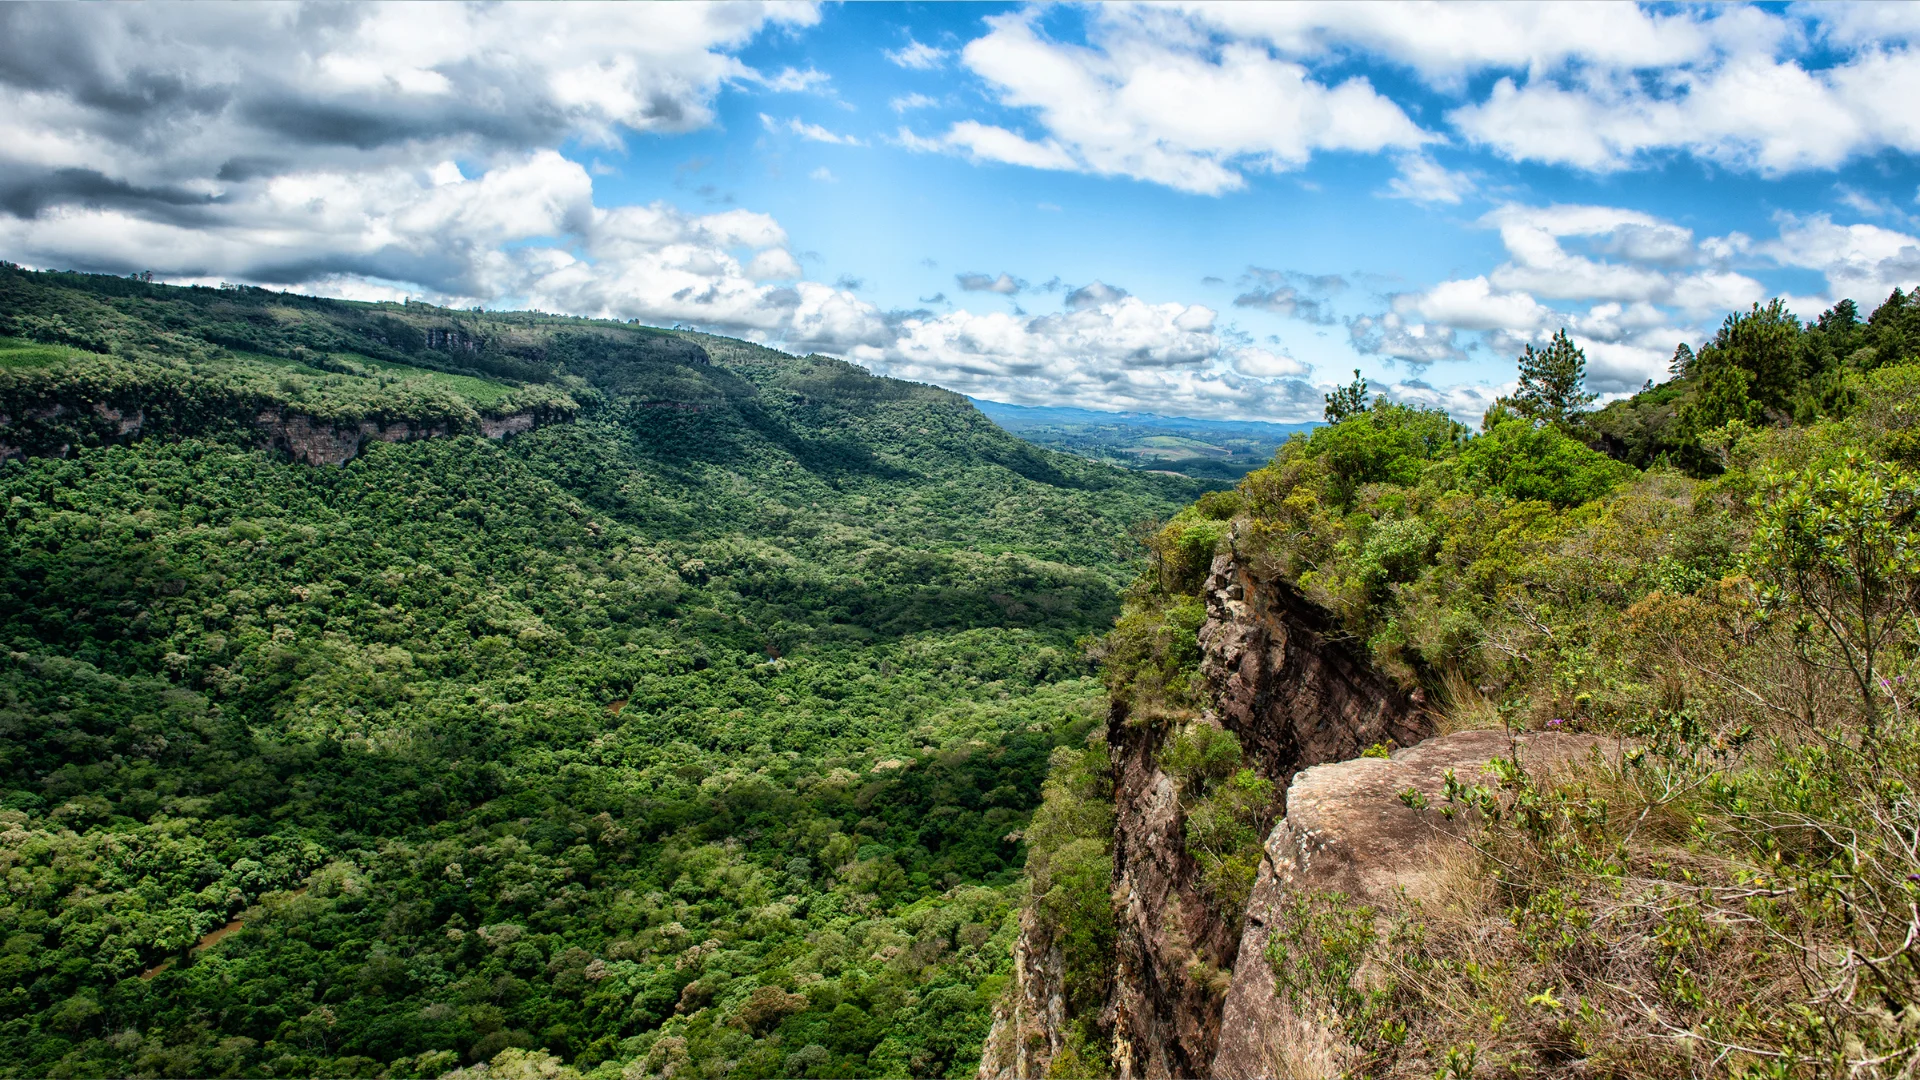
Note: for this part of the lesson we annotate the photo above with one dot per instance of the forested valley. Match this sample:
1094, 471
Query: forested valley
691, 730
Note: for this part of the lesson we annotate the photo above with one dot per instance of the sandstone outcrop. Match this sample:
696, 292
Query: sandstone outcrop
1295, 695
1348, 830
319, 443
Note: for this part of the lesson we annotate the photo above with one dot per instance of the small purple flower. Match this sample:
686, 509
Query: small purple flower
1555, 722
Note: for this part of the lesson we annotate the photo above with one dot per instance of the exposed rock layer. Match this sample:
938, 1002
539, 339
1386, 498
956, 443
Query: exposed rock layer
307, 439
1028, 1023
1295, 696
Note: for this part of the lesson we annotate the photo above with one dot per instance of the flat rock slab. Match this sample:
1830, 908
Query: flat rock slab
1348, 830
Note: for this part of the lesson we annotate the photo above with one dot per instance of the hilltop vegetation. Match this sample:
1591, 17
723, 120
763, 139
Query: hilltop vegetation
1738, 599
694, 734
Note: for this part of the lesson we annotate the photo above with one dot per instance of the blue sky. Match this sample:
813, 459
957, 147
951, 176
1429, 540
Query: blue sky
1196, 209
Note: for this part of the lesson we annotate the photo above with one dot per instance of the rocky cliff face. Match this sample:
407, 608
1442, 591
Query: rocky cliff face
104, 422
318, 443
1029, 1021
307, 439
1295, 696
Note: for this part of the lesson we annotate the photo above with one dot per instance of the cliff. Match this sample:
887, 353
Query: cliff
1294, 696
317, 442
1191, 991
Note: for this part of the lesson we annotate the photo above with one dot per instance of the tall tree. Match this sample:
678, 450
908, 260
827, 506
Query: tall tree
1553, 382
1348, 400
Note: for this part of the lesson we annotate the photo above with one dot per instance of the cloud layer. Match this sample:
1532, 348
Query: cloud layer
1194, 96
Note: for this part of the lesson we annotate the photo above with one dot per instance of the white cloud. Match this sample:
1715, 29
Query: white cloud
1465, 402
284, 144
984, 142
1105, 350
908, 102
824, 175
814, 132
1445, 42
918, 55
1195, 95
1540, 265
1864, 262
1473, 304
793, 80
1143, 104
1394, 337
1264, 364
1642, 286
1424, 180
1855, 24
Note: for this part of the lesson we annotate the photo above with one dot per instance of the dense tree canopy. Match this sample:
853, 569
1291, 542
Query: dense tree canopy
695, 729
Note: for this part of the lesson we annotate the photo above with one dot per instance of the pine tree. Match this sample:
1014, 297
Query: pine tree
1553, 381
1348, 400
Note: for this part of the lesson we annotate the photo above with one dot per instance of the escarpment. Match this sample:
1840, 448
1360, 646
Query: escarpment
1294, 692
1294, 695
317, 442
56, 428
1029, 1025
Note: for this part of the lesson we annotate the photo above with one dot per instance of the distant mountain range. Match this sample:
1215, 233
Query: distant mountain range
1208, 449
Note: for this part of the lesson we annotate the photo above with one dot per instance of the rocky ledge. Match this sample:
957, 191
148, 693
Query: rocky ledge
1354, 828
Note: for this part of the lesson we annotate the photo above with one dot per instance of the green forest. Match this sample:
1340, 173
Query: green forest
692, 731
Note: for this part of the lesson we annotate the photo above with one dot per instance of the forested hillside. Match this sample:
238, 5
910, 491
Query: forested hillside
1730, 601
692, 729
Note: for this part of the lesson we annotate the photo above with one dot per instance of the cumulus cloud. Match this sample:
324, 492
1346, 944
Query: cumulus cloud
1095, 295
1864, 262
1394, 337
1265, 364
288, 144
1104, 349
1150, 100
1740, 103
1445, 42
1628, 286
1196, 95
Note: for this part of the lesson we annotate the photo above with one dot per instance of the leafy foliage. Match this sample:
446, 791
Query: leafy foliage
696, 735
